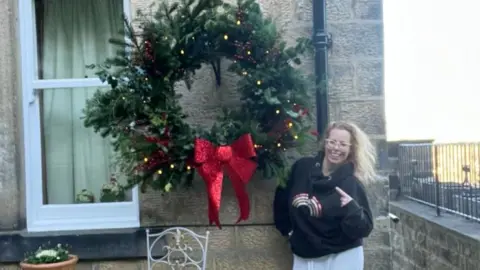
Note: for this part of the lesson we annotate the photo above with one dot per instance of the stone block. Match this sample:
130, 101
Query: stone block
251, 260
368, 114
397, 243
119, 265
262, 194
413, 231
418, 255
469, 264
406, 266
454, 242
436, 237
377, 192
84, 266
447, 255
262, 203
341, 83
220, 239
286, 13
368, 10
304, 11
401, 262
433, 242
369, 78
435, 263
189, 207
339, 10
143, 5
409, 234
396, 266
261, 238
378, 258
354, 40
378, 239
470, 248
9, 267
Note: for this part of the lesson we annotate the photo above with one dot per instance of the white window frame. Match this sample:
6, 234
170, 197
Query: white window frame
57, 217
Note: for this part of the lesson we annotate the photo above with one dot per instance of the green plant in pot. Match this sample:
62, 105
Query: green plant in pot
54, 258
85, 196
112, 191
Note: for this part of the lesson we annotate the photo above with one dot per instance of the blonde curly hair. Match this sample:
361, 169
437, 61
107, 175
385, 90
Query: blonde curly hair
362, 152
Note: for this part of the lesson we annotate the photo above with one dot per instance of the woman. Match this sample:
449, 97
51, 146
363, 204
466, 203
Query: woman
324, 209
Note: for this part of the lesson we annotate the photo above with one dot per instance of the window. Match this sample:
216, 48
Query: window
63, 159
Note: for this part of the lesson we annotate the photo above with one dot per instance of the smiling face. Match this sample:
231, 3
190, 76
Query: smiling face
337, 146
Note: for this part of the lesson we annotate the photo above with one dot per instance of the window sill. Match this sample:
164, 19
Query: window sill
111, 244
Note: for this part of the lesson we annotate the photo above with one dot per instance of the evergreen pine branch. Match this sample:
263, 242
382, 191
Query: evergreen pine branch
169, 46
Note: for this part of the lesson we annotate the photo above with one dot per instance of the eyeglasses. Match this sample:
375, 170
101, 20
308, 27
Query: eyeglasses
333, 143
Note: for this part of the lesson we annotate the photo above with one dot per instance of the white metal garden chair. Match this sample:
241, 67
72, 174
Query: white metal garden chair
179, 251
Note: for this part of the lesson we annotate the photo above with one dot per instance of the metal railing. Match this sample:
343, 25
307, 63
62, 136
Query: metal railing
445, 176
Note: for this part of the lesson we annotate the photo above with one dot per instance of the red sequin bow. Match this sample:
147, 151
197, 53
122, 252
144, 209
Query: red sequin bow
235, 159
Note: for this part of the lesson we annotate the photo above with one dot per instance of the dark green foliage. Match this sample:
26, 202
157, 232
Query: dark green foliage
141, 111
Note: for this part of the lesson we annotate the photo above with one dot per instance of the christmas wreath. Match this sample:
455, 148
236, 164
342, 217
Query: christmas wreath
141, 112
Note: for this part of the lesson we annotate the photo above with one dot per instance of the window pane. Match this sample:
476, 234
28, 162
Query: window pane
77, 162
72, 34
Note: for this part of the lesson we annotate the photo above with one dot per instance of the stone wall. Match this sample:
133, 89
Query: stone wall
356, 94
9, 121
421, 240
355, 69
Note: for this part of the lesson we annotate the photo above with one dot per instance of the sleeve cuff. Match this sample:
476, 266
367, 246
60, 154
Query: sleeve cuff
352, 207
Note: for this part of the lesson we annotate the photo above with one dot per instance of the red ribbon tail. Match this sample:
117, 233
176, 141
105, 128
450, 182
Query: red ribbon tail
213, 177
242, 197
213, 217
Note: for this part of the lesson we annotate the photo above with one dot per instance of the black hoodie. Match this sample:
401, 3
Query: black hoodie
315, 233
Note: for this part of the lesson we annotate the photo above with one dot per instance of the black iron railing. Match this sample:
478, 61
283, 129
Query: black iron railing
445, 176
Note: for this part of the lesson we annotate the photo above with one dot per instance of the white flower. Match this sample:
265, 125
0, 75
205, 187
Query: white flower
46, 253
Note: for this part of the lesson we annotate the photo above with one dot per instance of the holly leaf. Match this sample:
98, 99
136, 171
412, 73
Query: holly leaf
168, 187
292, 113
267, 94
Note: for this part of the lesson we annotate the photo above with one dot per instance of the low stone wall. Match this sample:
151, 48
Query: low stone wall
254, 244
421, 240
254, 247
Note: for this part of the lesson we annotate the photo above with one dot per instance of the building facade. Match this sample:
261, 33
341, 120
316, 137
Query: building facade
355, 93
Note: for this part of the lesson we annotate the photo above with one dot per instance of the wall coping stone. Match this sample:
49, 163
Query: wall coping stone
453, 223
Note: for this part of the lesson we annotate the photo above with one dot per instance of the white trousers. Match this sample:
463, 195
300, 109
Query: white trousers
351, 259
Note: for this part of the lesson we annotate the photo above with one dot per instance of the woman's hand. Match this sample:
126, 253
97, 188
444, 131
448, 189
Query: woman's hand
344, 197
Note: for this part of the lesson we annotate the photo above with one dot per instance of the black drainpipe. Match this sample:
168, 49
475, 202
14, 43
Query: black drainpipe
322, 41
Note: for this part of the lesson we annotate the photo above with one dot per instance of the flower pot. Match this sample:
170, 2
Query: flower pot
66, 265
